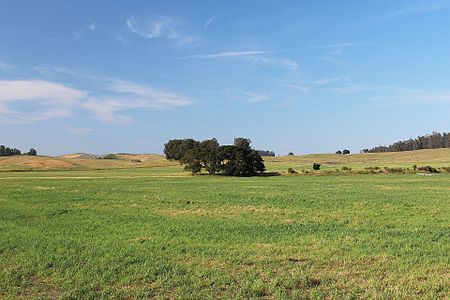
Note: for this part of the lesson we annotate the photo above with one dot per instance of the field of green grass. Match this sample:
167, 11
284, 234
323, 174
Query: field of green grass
160, 233
434, 157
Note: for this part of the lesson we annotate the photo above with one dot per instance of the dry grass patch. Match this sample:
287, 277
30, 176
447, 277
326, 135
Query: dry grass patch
224, 212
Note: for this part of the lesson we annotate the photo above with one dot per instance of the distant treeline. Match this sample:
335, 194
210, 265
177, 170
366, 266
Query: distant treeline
266, 152
238, 159
429, 141
7, 151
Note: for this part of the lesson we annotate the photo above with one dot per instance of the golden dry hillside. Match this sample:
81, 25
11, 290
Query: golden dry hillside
82, 161
434, 157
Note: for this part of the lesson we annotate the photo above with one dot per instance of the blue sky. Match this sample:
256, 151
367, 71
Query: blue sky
300, 76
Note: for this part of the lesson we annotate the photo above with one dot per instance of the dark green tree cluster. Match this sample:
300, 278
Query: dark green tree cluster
345, 152
429, 141
7, 151
177, 149
266, 152
238, 159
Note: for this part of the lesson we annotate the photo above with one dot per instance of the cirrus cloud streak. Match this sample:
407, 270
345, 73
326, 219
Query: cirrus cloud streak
42, 100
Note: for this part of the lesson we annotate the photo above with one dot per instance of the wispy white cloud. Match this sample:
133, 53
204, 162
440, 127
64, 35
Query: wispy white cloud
49, 100
407, 96
297, 86
332, 60
80, 33
357, 88
392, 95
132, 96
304, 85
4, 66
47, 70
210, 20
38, 90
79, 130
324, 81
92, 27
255, 98
420, 8
288, 63
333, 46
159, 27
251, 55
226, 54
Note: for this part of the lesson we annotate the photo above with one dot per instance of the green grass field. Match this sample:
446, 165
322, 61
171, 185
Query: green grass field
160, 233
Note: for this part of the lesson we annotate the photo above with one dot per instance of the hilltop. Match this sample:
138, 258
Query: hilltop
83, 161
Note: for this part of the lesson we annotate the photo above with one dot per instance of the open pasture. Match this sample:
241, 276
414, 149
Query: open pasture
160, 233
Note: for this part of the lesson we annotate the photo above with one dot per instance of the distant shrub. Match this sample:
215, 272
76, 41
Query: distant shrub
446, 169
428, 169
394, 170
32, 152
346, 169
339, 152
372, 168
266, 152
345, 151
292, 171
415, 167
110, 156
316, 166
290, 154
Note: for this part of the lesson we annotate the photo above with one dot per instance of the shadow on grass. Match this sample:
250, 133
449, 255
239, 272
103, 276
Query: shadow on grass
265, 174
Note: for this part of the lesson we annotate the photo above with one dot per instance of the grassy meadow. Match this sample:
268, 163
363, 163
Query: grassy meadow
121, 230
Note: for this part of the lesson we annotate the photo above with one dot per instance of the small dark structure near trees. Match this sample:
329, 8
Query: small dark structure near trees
238, 159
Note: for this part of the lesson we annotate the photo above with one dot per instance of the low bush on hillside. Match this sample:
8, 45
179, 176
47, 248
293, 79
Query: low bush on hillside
373, 170
346, 169
394, 170
446, 169
428, 169
316, 166
292, 171
110, 156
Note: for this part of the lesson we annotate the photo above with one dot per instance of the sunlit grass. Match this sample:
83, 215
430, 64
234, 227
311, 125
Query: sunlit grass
159, 233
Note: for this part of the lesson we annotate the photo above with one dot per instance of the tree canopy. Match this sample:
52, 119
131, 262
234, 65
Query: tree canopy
430, 141
266, 152
7, 151
238, 159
